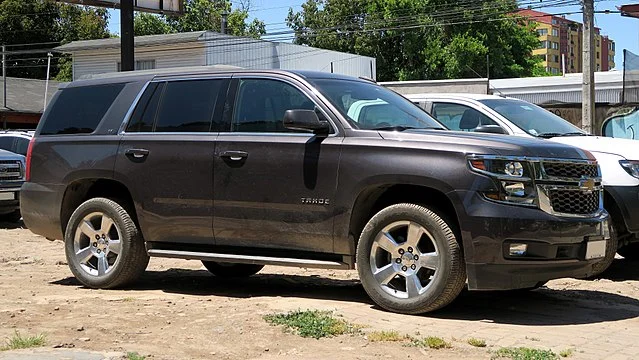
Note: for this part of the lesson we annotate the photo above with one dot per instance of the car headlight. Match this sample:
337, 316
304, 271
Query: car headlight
631, 166
513, 177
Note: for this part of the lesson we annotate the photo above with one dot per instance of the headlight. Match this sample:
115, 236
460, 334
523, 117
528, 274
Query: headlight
513, 177
631, 166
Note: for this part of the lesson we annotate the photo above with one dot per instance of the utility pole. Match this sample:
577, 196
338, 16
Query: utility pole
588, 93
4, 76
127, 59
224, 24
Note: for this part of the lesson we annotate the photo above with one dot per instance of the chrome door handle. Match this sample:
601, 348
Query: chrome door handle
234, 155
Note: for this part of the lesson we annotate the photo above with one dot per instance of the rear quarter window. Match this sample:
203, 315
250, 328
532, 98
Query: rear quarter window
79, 110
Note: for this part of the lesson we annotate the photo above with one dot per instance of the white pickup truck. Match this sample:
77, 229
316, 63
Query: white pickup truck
618, 158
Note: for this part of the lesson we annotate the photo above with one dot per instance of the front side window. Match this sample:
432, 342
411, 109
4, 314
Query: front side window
260, 105
80, 109
22, 145
460, 117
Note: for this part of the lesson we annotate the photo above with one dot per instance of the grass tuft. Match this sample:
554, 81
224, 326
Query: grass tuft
523, 353
432, 342
311, 323
477, 342
134, 356
18, 341
566, 353
386, 336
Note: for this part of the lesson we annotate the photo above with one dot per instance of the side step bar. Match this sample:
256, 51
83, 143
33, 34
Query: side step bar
248, 259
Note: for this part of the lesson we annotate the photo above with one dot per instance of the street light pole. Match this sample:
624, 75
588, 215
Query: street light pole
588, 96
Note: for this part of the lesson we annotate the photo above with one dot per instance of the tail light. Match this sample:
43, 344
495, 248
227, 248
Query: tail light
28, 165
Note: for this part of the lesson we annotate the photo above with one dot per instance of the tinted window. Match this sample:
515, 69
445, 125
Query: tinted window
6, 143
260, 105
80, 109
21, 146
460, 117
144, 114
187, 106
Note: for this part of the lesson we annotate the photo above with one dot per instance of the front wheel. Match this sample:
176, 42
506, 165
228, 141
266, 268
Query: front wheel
103, 246
409, 260
231, 270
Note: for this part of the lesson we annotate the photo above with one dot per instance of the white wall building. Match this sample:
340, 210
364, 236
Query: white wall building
203, 48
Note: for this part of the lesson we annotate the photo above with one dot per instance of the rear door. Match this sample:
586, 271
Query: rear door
166, 158
274, 187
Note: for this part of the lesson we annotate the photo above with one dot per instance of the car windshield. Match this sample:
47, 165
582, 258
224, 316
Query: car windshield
371, 107
533, 119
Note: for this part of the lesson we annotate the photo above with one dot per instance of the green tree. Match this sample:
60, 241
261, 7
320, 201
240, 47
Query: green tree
422, 39
45, 23
201, 15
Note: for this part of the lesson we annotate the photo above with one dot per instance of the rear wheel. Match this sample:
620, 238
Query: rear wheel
103, 246
409, 260
230, 270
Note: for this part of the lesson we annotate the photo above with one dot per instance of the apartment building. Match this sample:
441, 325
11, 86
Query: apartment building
560, 37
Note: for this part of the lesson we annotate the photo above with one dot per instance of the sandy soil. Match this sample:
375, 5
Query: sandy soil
180, 311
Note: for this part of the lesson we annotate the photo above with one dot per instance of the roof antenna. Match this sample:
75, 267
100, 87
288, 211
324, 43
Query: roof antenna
489, 85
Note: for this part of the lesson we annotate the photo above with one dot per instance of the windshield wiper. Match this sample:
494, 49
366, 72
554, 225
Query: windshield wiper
576, 133
404, 128
549, 135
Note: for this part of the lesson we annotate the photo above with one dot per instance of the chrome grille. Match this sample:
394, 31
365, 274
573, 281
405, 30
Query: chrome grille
570, 170
574, 201
10, 170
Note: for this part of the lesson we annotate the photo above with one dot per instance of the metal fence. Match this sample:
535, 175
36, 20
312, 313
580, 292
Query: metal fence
630, 78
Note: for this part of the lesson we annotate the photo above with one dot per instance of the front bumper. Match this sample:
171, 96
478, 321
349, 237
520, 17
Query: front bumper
9, 200
557, 245
627, 199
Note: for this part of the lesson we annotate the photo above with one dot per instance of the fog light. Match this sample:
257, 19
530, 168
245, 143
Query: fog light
518, 249
514, 168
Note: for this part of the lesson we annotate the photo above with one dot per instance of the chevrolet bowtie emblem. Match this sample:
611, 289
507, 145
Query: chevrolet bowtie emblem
587, 185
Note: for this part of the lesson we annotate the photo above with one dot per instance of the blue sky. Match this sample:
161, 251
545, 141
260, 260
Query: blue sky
625, 31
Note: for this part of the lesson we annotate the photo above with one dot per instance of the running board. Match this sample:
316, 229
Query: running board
247, 259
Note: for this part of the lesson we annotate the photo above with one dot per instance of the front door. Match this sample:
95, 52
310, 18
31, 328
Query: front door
166, 159
273, 187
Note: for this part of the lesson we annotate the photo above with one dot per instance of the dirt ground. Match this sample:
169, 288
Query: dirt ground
180, 311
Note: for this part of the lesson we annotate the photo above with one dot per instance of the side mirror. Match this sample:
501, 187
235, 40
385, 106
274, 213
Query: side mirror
305, 120
490, 129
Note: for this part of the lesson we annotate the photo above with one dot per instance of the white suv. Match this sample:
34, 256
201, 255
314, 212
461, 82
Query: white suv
16, 141
618, 158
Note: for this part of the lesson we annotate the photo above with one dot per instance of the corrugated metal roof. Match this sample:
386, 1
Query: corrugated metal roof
148, 40
26, 95
561, 89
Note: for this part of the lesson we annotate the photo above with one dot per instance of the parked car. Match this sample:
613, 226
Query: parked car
618, 158
12, 168
244, 168
16, 141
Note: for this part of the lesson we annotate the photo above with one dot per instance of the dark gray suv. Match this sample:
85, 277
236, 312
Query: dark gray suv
243, 168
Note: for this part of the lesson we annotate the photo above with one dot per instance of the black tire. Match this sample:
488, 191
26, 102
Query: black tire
230, 270
13, 217
130, 263
630, 251
445, 283
611, 250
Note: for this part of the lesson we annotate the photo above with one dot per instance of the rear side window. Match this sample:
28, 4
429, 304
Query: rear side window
6, 143
80, 109
187, 106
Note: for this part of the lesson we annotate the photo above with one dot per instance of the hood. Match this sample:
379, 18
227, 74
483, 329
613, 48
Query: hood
625, 148
495, 144
8, 155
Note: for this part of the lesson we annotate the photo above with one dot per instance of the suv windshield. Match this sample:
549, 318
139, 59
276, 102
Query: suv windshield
533, 119
368, 106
